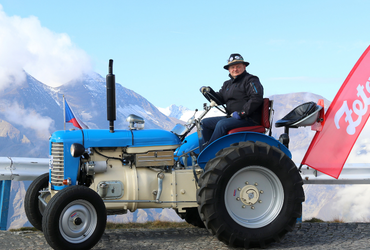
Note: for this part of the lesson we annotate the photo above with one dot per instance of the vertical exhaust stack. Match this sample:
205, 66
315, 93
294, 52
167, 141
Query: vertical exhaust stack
111, 97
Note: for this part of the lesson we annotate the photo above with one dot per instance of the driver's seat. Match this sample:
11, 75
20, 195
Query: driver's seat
265, 119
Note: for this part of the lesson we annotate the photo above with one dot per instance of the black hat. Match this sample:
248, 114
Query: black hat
235, 59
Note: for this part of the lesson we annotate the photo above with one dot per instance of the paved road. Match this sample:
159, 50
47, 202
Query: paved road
305, 236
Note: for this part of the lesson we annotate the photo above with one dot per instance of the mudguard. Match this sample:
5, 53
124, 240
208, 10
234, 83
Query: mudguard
210, 151
225, 141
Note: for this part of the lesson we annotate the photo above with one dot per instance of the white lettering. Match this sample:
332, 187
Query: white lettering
359, 107
351, 129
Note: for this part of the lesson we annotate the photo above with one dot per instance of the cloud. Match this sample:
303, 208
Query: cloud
29, 119
50, 57
353, 203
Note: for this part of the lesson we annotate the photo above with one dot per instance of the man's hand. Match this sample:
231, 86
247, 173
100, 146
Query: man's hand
238, 115
204, 89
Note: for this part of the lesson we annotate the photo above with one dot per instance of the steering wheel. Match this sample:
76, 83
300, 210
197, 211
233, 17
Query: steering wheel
211, 95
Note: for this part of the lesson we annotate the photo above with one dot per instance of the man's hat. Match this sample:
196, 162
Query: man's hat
235, 59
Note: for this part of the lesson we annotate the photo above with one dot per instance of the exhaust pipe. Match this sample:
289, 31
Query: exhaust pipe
111, 97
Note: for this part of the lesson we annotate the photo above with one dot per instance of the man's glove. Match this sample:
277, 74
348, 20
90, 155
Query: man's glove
204, 89
238, 115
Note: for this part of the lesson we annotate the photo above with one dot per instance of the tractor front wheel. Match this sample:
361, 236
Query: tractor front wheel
75, 218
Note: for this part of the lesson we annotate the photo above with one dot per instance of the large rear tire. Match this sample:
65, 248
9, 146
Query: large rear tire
75, 218
32, 205
192, 217
250, 195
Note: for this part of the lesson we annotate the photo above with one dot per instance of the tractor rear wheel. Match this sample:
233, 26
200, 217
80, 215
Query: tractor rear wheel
250, 195
192, 217
32, 205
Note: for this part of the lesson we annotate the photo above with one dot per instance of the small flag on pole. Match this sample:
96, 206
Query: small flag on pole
72, 118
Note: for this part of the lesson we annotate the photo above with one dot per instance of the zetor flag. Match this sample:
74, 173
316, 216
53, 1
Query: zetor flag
70, 117
345, 118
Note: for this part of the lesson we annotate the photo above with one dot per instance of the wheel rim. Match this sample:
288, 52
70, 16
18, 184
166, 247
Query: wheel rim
78, 221
254, 196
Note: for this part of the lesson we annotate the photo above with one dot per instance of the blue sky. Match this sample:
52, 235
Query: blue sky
167, 50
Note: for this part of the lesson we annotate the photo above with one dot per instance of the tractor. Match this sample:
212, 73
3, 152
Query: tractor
244, 187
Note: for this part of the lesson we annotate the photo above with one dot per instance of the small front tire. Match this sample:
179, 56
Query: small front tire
75, 218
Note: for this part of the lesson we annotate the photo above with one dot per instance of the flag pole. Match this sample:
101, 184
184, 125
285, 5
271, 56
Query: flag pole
64, 112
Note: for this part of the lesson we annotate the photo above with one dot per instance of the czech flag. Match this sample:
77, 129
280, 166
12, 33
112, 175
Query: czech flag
70, 117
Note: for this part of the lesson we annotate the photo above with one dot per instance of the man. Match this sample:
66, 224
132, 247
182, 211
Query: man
243, 96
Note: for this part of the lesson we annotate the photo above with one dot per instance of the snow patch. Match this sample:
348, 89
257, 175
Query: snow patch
184, 114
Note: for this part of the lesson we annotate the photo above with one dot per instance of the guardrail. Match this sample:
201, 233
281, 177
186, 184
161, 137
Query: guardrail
17, 169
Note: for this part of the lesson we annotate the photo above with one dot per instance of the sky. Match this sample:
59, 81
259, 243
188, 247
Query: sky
166, 50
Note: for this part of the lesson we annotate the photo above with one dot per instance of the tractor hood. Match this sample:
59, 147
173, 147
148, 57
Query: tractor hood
120, 138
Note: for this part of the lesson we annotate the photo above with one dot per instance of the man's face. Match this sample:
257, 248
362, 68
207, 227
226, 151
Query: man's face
236, 69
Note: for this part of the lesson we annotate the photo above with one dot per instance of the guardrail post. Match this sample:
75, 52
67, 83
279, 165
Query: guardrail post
4, 203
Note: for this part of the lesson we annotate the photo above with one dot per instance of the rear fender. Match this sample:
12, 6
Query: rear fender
210, 151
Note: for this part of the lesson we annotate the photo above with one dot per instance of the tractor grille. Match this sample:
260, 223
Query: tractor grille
57, 171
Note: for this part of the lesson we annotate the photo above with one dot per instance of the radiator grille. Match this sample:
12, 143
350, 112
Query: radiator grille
57, 171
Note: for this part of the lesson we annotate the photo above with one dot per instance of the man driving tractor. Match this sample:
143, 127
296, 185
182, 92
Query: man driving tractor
243, 96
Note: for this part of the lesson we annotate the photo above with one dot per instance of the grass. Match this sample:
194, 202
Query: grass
337, 220
23, 229
314, 220
317, 220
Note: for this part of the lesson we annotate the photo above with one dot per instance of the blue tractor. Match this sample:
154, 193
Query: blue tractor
244, 187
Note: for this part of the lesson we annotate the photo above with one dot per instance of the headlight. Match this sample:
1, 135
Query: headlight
77, 150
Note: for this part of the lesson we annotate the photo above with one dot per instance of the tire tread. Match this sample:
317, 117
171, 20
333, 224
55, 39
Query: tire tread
214, 171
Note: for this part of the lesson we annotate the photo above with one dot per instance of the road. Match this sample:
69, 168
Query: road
305, 236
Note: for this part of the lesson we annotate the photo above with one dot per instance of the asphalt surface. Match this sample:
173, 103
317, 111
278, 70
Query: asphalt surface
304, 236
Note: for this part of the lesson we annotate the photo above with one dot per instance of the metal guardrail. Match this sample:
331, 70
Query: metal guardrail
17, 169
352, 173
22, 169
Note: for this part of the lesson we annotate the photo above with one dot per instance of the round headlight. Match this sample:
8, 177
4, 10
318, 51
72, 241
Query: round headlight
77, 150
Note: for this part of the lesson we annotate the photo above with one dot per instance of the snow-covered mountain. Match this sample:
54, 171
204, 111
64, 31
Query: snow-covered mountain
184, 114
178, 112
32, 111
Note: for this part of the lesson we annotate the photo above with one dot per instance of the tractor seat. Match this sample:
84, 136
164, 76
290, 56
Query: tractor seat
265, 120
305, 114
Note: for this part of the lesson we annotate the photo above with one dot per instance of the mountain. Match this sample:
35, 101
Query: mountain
87, 97
36, 111
184, 114
178, 112
32, 111
14, 140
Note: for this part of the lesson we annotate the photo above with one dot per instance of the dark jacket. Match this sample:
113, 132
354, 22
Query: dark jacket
244, 93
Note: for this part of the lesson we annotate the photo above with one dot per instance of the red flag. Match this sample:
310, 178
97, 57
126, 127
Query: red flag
345, 119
